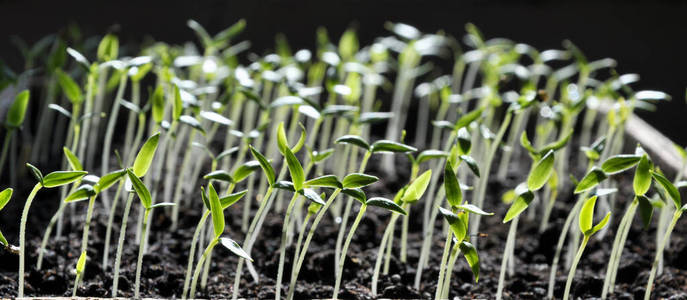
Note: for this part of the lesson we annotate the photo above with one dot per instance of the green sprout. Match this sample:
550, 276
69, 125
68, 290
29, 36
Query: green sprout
13, 121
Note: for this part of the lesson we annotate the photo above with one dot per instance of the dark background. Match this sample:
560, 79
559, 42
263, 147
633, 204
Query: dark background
645, 37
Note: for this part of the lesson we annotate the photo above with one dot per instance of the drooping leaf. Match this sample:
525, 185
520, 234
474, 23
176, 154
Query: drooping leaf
193, 122
284, 185
219, 175
619, 163
312, 196
145, 156
642, 180
245, 170
386, 203
417, 187
358, 180
672, 191
525, 142
74, 162
216, 211
430, 154
646, 210
353, 140
464, 141
472, 164
356, 193
234, 247
59, 178
471, 256
82, 193
391, 146
454, 195
457, 225
593, 178
215, 117
228, 200
17, 111
473, 209
519, 205
330, 181
140, 189
5, 197
541, 172
265, 165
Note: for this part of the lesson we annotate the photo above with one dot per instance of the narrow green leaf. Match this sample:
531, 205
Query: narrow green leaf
234, 248
108, 48
472, 164
5, 197
519, 205
35, 172
430, 154
669, 188
358, 180
219, 175
74, 161
646, 210
541, 172
471, 256
162, 204
464, 141
145, 156
601, 224
265, 165
81, 263
229, 200
312, 196
417, 188
247, 168
216, 211
158, 100
109, 179
353, 140
17, 111
386, 204
193, 122
356, 193
525, 142
330, 181
295, 169
456, 223
3, 240
642, 180
318, 156
70, 88
587, 215
282, 142
140, 189
203, 196
177, 105
557, 144
473, 209
59, 178
391, 146
619, 163
454, 195
593, 178
468, 118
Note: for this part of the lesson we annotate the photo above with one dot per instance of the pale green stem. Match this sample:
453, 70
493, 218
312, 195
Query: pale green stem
561, 241
573, 267
139, 262
22, 237
507, 256
114, 113
342, 259
110, 221
282, 245
191, 253
659, 254
389, 245
120, 244
617, 250
199, 267
5, 148
380, 255
181, 176
449, 271
442, 266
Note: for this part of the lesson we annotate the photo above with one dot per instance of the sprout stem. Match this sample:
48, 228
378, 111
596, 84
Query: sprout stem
120, 244
573, 267
192, 251
659, 254
22, 237
114, 112
199, 267
5, 148
446, 287
617, 250
282, 245
342, 259
442, 266
561, 240
141, 246
380, 254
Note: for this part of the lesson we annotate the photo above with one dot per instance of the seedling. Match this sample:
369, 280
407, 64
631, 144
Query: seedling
13, 121
5, 197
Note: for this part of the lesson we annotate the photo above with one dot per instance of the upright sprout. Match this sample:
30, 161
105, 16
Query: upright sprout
13, 121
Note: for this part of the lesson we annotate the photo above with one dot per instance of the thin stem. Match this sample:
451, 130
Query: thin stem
110, 221
22, 237
573, 267
561, 241
342, 259
114, 112
199, 267
446, 287
5, 148
282, 245
192, 251
659, 254
442, 265
141, 246
380, 255
120, 244
617, 249
510, 240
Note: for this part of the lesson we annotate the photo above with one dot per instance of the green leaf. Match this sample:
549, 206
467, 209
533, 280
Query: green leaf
140, 189
472, 164
519, 205
216, 211
601, 224
229, 200
358, 180
312, 196
386, 204
417, 187
541, 172
593, 178
587, 215
282, 142
59, 178
356, 193
473, 209
5, 197
215, 118
219, 175
468, 118
3, 240
264, 164
177, 105
245, 170
646, 210
454, 195
322, 155
81, 263
457, 225
619, 163
295, 169
74, 161
158, 100
145, 156
557, 144
430, 154
464, 141
109, 179
391, 146
35, 172
471, 256
108, 48
70, 88
284, 185
60, 109
669, 188
234, 248
203, 196
525, 142
16, 112
193, 122
82, 193
642, 179
330, 181
353, 140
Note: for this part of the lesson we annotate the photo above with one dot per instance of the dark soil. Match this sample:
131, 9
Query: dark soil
164, 264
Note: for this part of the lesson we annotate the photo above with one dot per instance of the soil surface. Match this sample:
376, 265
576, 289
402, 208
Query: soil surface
165, 262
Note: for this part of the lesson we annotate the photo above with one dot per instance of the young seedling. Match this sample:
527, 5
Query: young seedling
54, 179
217, 212
5, 197
13, 121
586, 218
